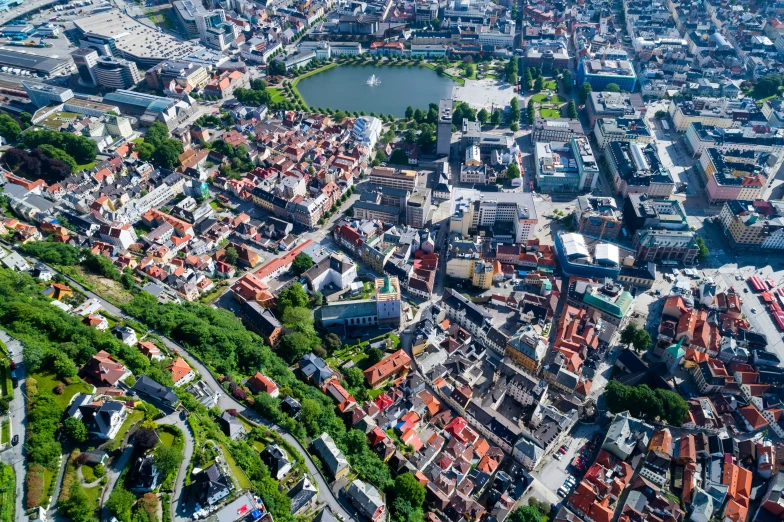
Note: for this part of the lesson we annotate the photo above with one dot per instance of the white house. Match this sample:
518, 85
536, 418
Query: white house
336, 269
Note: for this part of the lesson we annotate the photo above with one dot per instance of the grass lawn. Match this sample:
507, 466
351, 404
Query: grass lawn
549, 113
165, 438
258, 446
48, 381
375, 393
130, 420
94, 494
110, 290
7, 493
242, 480
550, 84
542, 98
88, 472
245, 424
277, 94
85, 166
5, 432
48, 478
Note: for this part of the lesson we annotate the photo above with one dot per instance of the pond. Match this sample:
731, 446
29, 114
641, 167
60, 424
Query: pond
346, 88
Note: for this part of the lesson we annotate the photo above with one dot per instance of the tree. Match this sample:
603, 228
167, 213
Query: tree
628, 333
301, 264
612, 87
294, 346
299, 319
332, 342
514, 126
167, 154
410, 136
409, 112
495, 118
78, 506
59, 154
144, 151
483, 116
641, 401
539, 83
120, 503
660, 114
702, 249
145, 439
529, 80
9, 129
514, 113
419, 116
766, 86
156, 134
374, 356
231, 255
566, 79
75, 429
571, 109
408, 487
513, 171
167, 459
583, 93
526, 514
470, 70
642, 341
398, 157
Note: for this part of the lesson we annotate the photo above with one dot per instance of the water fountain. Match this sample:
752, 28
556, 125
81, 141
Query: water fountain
373, 81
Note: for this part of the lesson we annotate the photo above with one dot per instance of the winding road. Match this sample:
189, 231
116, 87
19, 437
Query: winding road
325, 494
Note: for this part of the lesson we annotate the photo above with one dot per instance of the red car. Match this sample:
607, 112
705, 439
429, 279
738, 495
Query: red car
562, 450
12, 366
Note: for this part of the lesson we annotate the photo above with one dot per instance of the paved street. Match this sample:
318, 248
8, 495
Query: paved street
187, 453
15, 454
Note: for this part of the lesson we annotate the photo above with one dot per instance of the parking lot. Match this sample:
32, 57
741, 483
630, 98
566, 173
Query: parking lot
555, 472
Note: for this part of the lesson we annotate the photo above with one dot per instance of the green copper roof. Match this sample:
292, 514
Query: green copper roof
676, 350
387, 288
618, 309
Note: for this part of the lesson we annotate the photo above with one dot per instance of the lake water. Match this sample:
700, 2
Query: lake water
345, 87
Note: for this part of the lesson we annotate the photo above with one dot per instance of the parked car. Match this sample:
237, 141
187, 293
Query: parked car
562, 449
15, 440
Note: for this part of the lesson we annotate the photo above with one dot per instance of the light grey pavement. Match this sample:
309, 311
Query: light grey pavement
187, 453
15, 454
113, 472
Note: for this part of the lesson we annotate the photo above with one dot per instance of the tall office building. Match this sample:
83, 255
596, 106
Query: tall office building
85, 59
444, 129
116, 73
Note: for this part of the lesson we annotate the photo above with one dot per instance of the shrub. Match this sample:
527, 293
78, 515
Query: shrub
35, 485
59, 389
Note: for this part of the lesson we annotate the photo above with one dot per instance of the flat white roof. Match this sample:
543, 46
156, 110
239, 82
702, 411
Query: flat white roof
574, 245
608, 253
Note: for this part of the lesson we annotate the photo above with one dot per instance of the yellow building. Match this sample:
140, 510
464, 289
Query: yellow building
527, 348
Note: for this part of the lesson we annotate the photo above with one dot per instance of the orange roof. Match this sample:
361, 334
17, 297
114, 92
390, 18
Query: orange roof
661, 442
387, 366
753, 417
179, 369
281, 261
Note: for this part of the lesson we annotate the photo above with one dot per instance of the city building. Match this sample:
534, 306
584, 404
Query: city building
418, 208
601, 73
527, 348
634, 130
367, 130
609, 299
598, 217
641, 211
753, 224
150, 108
733, 174
116, 73
43, 94
585, 256
444, 128
614, 105
637, 169
708, 111
186, 12
223, 85
666, 245
85, 59
391, 177
188, 75
472, 134
43, 66
556, 129
701, 137
507, 217
566, 167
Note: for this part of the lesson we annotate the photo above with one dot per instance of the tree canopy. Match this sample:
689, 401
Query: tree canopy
641, 401
301, 264
612, 87
81, 148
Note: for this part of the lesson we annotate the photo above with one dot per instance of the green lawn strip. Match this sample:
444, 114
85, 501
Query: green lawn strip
375, 393
166, 438
94, 494
130, 420
7, 493
88, 472
5, 432
85, 166
48, 479
549, 113
47, 382
276, 94
242, 480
